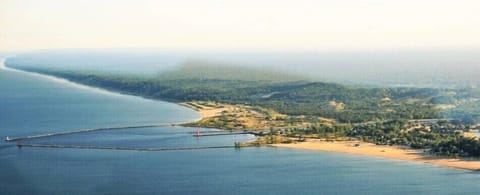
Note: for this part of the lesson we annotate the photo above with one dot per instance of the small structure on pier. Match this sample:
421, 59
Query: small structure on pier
197, 134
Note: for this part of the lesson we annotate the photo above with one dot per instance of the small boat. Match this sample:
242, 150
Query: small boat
7, 139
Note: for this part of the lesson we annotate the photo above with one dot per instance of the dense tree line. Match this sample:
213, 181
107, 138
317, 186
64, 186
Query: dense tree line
372, 114
292, 97
450, 142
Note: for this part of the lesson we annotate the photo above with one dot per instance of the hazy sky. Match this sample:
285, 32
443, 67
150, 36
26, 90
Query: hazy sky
243, 24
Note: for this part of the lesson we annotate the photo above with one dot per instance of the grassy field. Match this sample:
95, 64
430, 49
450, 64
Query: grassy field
245, 117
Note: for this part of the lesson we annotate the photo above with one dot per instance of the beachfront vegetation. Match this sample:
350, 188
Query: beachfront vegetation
439, 137
342, 103
379, 115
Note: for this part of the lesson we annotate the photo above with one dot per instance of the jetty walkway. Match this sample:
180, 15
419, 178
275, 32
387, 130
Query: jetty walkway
221, 134
198, 133
12, 139
20, 145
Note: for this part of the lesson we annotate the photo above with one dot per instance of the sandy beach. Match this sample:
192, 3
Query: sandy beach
391, 152
204, 111
356, 147
211, 112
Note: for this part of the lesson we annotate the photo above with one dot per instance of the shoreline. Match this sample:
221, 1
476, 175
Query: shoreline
203, 112
59, 80
346, 147
96, 89
366, 149
382, 151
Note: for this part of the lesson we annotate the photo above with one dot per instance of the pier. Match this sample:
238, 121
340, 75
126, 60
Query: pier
222, 133
20, 145
20, 140
12, 139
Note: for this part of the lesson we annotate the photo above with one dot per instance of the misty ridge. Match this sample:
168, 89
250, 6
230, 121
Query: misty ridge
410, 68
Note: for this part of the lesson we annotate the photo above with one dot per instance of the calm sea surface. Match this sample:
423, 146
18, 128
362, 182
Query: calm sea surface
31, 104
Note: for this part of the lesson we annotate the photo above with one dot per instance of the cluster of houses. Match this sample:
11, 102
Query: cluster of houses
442, 126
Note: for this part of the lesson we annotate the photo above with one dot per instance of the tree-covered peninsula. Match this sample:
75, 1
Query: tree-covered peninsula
401, 116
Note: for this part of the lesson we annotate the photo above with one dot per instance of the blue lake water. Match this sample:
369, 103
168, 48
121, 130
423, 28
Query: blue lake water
32, 104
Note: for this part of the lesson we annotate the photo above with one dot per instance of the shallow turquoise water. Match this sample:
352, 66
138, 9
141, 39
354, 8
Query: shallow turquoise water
31, 104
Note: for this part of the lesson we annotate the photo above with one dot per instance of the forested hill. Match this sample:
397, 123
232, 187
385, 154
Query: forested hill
207, 70
284, 93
